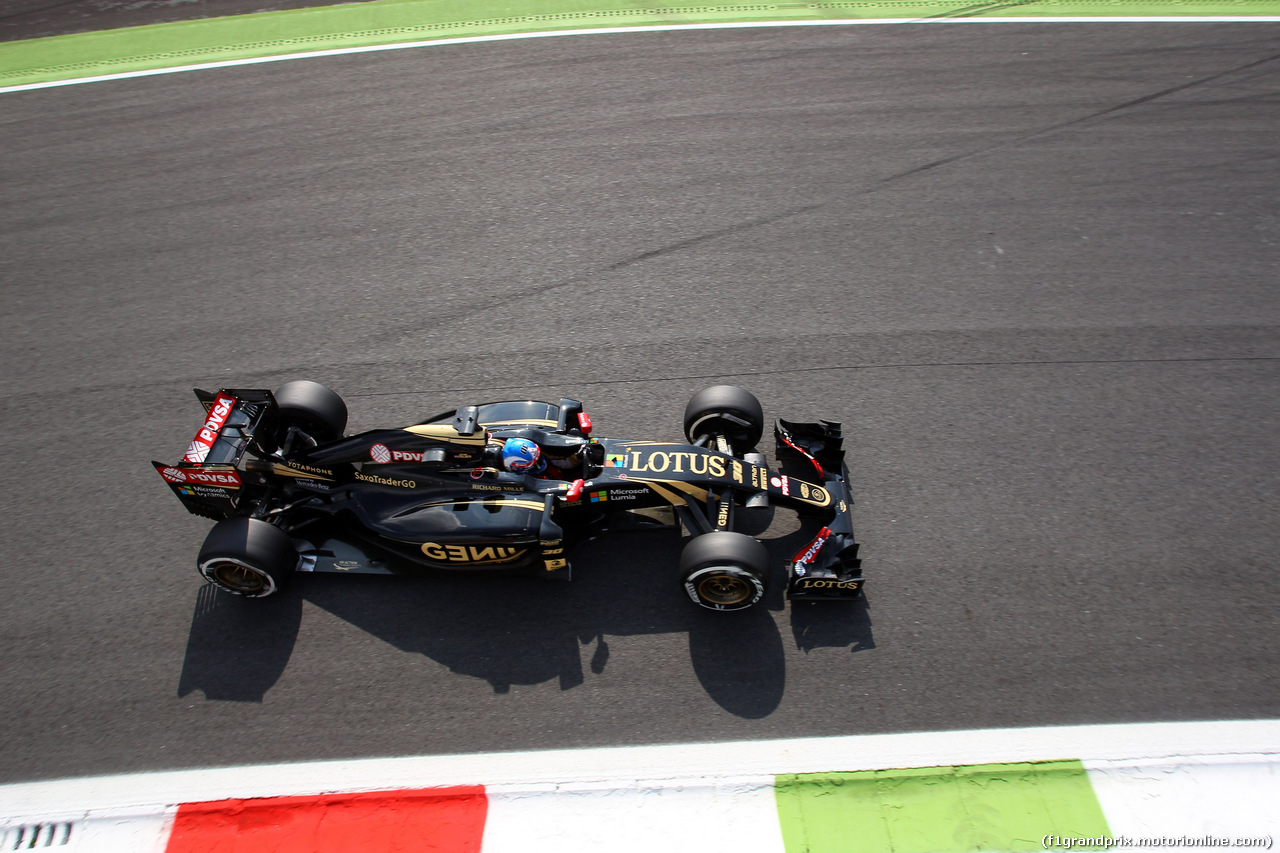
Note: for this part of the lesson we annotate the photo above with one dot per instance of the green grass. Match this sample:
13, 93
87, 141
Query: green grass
997, 807
384, 22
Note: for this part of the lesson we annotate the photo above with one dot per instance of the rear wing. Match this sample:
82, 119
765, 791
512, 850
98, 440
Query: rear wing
208, 480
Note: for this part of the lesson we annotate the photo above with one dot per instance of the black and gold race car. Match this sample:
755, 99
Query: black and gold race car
290, 493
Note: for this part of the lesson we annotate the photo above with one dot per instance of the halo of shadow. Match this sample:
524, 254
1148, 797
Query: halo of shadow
739, 660
832, 624
237, 648
507, 630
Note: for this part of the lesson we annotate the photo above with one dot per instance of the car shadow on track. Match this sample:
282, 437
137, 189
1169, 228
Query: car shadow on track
820, 624
518, 630
237, 649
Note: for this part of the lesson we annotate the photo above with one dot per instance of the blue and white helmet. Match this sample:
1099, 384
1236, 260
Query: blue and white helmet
522, 456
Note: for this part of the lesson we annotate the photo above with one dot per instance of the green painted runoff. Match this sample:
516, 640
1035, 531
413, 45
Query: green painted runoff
383, 22
1004, 807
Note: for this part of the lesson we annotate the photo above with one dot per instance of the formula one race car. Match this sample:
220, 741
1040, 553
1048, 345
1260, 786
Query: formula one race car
291, 494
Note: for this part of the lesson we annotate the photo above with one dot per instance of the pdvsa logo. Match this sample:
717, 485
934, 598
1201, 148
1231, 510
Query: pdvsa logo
804, 558
227, 479
382, 455
208, 434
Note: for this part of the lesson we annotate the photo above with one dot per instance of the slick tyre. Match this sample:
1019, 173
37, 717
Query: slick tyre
312, 408
247, 557
725, 410
724, 571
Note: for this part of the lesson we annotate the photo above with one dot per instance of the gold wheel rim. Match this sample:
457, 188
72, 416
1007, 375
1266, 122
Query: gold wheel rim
724, 589
237, 577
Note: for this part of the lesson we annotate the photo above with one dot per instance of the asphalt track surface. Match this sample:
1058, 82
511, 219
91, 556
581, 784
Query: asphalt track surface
1031, 267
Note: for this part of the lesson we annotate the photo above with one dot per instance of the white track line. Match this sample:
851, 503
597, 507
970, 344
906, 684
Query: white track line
1117, 745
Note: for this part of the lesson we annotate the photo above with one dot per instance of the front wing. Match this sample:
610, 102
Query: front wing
828, 566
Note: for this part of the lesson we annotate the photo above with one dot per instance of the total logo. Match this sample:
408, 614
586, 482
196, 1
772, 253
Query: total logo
382, 455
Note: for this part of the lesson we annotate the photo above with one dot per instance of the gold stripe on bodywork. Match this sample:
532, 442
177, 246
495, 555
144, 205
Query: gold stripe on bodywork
666, 494
688, 488
441, 503
285, 471
443, 432
538, 505
663, 492
522, 422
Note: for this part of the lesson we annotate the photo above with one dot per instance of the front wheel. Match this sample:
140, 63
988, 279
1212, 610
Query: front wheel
728, 411
247, 557
724, 570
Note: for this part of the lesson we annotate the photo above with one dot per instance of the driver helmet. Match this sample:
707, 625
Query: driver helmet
522, 456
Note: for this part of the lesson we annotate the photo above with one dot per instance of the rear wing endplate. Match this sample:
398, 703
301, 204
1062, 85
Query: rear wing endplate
208, 480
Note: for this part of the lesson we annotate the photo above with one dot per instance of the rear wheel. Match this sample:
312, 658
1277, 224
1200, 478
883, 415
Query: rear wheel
724, 570
312, 408
247, 557
728, 411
